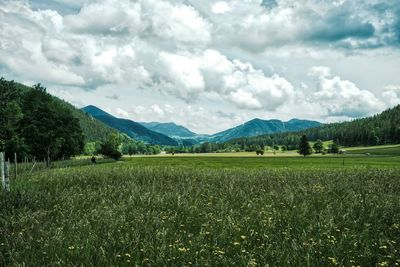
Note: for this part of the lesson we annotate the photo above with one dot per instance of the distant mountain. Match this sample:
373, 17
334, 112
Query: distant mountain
260, 127
131, 128
380, 129
170, 129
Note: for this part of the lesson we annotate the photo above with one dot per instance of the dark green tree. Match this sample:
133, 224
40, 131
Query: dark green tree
49, 130
334, 148
318, 146
304, 146
109, 148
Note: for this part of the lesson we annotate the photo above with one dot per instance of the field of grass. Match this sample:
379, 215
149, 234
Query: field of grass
376, 150
206, 211
235, 162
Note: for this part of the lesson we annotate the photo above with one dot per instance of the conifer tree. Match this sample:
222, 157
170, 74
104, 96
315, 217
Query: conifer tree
304, 146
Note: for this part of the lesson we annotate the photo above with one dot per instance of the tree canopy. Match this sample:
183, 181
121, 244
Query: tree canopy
35, 125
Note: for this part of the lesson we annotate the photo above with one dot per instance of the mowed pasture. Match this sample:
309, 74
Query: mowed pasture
206, 211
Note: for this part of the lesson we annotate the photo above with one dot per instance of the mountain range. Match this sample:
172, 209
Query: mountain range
131, 128
171, 129
173, 134
259, 127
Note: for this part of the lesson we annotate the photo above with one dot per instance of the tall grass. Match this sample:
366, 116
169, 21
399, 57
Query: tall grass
124, 215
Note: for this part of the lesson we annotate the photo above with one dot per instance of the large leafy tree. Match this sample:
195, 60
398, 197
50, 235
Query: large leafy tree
304, 146
49, 129
110, 147
318, 146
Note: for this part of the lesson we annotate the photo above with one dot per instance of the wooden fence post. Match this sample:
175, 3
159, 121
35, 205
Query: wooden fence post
7, 176
3, 181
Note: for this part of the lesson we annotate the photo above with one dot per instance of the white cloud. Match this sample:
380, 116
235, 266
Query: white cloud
107, 17
391, 95
341, 97
235, 81
157, 110
220, 7
249, 56
121, 113
179, 23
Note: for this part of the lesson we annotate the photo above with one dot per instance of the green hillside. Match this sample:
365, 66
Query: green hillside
93, 130
170, 129
130, 128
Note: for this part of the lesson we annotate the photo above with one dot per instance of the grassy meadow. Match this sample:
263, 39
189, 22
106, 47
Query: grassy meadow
206, 211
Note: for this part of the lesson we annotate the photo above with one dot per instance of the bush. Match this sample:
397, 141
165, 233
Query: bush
260, 152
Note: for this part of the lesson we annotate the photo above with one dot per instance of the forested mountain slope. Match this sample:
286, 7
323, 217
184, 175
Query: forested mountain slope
380, 129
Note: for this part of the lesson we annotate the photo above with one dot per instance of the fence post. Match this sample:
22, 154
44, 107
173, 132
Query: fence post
15, 166
3, 181
7, 176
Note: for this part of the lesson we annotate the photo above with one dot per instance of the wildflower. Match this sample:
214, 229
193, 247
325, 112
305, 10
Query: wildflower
236, 243
183, 249
243, 237
118, 256
333, 260
128, 255
383, 263
71, 247
383, 247
219, 252
253, 262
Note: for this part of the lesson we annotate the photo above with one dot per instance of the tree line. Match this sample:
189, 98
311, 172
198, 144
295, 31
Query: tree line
380, 129
35, 124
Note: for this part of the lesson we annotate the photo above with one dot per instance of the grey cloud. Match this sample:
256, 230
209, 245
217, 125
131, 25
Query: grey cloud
226, 115
269, 3
340, 25
62, 7
112, 97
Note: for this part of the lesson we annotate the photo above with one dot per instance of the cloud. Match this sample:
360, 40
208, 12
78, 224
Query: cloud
340, 97
112, 97
340, 25
347, 25
116, 17
245, 57
220, 7
179, 23
121, 113
235, 81
157, 110
391, 95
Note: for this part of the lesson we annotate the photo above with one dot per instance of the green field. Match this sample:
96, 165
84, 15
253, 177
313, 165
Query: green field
206, 211
376, 150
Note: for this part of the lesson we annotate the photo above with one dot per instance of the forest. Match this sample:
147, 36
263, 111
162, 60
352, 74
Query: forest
39, 126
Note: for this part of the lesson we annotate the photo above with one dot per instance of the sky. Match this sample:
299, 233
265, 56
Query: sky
208, 65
